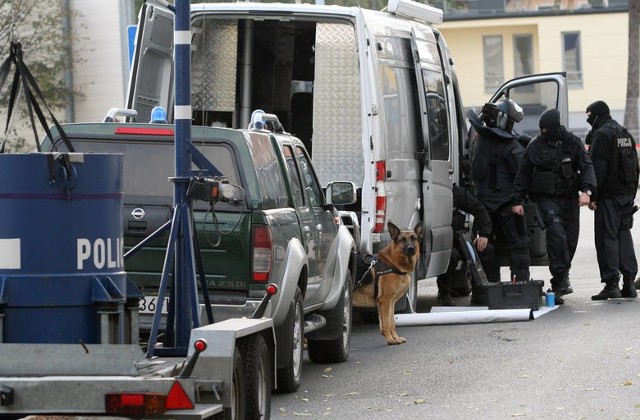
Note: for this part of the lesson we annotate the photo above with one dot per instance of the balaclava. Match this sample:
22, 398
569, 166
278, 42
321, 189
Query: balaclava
598, 109
550, 119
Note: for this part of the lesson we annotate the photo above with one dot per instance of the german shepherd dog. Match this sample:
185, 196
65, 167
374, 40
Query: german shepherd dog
389, 277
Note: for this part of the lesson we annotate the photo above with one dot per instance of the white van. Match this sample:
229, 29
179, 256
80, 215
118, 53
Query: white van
372, 94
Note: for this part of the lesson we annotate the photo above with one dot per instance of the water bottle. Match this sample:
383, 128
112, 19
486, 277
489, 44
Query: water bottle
551, 298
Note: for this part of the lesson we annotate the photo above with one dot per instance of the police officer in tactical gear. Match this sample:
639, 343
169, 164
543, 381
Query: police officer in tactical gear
463, 201
555, 168
496, 154
615, 162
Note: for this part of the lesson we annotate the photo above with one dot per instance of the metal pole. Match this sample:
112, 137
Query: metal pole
182, 313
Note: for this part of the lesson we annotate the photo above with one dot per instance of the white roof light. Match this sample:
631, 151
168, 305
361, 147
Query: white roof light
412, 9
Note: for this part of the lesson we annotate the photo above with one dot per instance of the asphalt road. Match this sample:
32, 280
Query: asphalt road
580, 361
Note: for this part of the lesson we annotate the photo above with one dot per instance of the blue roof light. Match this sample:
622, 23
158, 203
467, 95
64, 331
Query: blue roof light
158, 115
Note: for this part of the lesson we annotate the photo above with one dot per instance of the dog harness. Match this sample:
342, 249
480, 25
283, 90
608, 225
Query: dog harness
381, 268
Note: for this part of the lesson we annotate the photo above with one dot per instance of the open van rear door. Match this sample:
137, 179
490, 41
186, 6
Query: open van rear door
535, 94
151, 78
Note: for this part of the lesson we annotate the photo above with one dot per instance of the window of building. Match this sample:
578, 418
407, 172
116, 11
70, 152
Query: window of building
572, 58
493, 62
523, 55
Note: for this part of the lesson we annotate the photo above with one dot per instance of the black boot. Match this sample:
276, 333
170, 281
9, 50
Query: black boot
478, 295
521, 276
628, 288
610, 291
561, 285
444, 299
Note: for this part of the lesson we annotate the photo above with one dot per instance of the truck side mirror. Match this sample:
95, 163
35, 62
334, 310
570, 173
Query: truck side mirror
340, 193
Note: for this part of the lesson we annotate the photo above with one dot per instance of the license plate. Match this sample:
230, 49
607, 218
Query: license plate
149, 304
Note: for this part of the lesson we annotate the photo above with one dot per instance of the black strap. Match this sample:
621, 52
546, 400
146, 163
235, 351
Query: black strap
22, 77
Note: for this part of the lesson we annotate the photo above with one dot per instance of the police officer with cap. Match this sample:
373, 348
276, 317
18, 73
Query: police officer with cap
555, 168
615, 161
496, 154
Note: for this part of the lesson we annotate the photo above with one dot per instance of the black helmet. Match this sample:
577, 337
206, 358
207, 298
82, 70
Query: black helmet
509, 114
502, 114
489, 114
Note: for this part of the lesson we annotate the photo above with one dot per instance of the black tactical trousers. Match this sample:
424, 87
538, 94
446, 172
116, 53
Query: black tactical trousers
444, 281
614, 244
455, 277
510, 237
561, 216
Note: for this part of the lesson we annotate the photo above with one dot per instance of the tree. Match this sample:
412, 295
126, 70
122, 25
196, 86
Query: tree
37, 26
633, 71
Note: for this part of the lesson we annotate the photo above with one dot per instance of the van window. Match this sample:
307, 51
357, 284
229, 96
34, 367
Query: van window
534, 100
401, 110
437, 114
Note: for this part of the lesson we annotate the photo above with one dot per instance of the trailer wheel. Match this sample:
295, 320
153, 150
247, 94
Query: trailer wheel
236, 408
335, 350
290, 374
257, 377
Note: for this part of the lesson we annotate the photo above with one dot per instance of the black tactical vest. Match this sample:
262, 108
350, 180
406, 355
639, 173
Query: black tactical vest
557, 174
489, 172
624, 160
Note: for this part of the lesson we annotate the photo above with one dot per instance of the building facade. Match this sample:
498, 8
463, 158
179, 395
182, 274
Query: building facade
506, 39
100, 50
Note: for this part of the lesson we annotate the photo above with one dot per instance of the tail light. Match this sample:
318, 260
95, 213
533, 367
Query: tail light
141, 404
262, 253
381, 196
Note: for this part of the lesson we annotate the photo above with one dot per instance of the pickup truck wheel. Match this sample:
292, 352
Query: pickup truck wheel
336, 350
236, 410
289, 376
257, 377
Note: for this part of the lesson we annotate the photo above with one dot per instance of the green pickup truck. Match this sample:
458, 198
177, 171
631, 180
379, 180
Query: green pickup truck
273, 224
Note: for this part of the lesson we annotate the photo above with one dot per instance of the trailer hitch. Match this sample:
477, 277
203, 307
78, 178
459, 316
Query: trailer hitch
199, 346
271, 290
